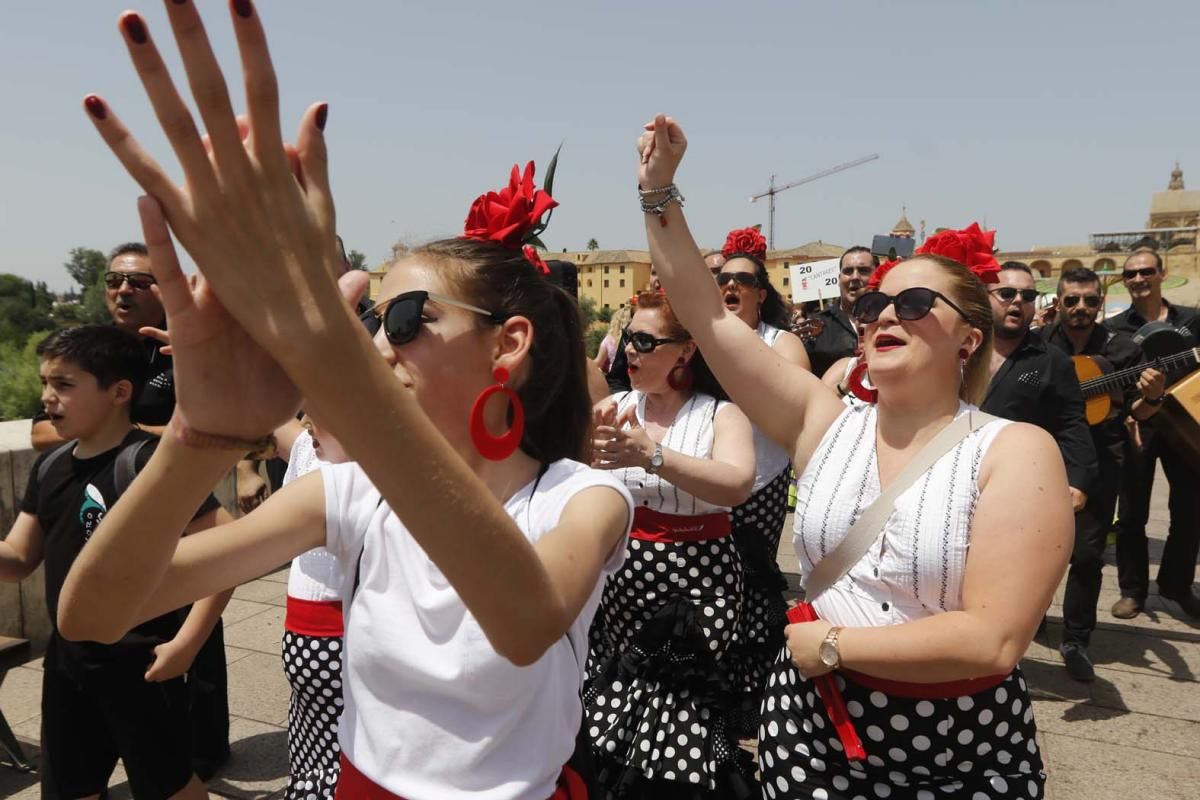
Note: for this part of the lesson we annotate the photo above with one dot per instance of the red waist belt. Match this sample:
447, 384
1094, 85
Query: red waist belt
314, 617
353, 785
655, 526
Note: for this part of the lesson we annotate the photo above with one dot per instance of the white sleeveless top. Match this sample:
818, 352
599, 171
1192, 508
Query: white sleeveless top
431, 710
770, 459
915, 567
315, 574
691, 434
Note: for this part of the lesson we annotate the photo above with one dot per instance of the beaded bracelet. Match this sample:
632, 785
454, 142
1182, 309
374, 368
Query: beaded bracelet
643, 193
199, 440
658, 208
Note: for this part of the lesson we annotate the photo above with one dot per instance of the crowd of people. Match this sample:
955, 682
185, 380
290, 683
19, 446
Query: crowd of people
569, 590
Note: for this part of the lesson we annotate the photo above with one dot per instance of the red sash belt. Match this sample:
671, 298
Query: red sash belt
655, 526
925, 691
314, 617
353, 785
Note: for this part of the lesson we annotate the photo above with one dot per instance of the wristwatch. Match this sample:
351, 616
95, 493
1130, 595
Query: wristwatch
656, 460
828, 649
1154, 401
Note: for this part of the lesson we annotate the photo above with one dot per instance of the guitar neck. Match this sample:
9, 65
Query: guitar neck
1124, 377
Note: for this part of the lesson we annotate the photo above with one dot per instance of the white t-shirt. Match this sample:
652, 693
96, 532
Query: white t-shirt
315, 574
432, 712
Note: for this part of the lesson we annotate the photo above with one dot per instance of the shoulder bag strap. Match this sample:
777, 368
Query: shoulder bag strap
865, 530
48, 461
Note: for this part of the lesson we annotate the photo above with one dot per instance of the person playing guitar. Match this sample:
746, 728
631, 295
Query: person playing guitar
1077, 332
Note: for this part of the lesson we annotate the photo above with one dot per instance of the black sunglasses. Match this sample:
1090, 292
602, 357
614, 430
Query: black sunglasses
647, 342
746, 279
1145, 272
1008, 294
136, 280
402, 316
1089, 300
911, 305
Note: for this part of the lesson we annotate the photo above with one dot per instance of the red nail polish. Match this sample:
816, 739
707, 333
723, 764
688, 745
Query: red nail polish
322, 114
134, 27
95, 106
243, 8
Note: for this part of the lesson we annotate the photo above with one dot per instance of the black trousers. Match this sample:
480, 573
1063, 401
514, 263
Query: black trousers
1178, 568
1082, 591
208, 687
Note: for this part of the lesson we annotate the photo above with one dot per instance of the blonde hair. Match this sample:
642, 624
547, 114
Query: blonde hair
620, 319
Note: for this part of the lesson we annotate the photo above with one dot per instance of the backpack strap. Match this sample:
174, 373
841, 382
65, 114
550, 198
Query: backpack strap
125, 467
54, 455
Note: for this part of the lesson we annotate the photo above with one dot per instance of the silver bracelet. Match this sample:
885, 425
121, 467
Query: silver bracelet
658, 208
643, 193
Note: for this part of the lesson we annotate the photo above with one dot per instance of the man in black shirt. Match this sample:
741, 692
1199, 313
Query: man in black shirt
837, 335
1143, 276
1076, 332
1031, 383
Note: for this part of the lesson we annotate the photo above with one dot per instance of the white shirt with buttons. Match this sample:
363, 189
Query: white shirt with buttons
915, 567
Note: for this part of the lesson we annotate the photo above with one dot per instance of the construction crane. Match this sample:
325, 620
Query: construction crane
773, 190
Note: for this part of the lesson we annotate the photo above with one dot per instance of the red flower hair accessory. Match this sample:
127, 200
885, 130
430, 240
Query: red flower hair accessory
972, 246
512, 216
746, 242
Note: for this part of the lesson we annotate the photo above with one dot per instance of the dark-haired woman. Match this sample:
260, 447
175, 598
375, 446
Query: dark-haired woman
926, 625
747, 291
657, 700
474, 559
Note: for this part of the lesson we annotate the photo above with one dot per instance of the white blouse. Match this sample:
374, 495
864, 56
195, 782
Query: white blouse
691, 433
770, 459
915, 567
315, 574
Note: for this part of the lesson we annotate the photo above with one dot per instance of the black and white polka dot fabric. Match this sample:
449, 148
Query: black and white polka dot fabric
980, 746
757, 527
656, 701
313, 666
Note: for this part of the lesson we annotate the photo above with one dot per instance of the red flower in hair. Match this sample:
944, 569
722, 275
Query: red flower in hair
511, 214
972, 246
745, 242
883, 269
531, 255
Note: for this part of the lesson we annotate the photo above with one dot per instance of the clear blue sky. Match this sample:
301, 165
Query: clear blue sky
1053, 119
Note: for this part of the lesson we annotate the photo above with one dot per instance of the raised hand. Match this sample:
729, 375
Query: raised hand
257, 217
660, 149
622, 443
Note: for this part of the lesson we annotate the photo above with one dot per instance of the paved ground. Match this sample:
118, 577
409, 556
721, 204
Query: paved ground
1135, 732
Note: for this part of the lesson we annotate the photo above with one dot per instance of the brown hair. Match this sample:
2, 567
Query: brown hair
704, 380
558, 410
971, 295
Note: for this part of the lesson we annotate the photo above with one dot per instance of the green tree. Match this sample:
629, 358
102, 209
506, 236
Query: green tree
92, 308
587, 310
593, 244
594, 337
24, 308
357, 260
86, 266
604, 315
20, 386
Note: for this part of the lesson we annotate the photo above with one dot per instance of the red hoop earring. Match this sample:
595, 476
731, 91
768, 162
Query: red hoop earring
855, 384
497, 448
681, 377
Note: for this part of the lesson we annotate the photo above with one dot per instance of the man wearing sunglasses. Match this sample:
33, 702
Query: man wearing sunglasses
1077, 332
1035, 384
1143, 275
838, 336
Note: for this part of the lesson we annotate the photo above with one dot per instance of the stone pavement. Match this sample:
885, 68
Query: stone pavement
1133, 733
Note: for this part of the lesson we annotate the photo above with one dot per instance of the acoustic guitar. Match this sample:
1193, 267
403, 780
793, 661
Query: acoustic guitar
1167, 348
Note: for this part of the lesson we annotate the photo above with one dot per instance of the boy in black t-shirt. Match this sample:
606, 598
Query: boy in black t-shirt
101, 702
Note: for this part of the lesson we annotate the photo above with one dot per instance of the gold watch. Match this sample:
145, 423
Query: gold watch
827, 651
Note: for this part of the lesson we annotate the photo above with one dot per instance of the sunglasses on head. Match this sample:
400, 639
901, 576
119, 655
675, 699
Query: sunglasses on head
647, 342
1008, 294
911, 305
402, 316
136, 280
746, 279
1144, 272
1089, 300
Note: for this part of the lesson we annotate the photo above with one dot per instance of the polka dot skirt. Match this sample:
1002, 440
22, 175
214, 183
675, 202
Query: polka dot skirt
313, 665
757, 526
980, 746
656, 701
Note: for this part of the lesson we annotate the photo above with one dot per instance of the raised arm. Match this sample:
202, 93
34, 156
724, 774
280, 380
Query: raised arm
785, 400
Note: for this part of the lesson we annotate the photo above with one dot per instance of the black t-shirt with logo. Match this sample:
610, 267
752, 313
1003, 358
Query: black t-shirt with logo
69, 504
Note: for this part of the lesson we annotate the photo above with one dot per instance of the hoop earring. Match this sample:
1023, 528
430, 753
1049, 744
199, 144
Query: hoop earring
681, 377
855, 384
497, 448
